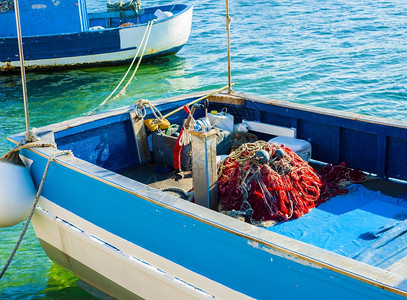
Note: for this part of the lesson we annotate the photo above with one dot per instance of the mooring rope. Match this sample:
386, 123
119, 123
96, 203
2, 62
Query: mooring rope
149, 27
143, 103
143, 44
37, 197
8, 156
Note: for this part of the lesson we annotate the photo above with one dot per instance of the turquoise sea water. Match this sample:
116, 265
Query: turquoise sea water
340, 54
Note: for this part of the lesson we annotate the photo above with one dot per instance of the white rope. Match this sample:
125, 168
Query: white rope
143, 103
146, 34
37, 197
123, 90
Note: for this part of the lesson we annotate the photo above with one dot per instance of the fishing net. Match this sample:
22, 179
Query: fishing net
135, 5
335, 179
6, 6
263, 181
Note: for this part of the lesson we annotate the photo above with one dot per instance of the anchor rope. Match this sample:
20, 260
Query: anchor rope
145, 37
37, 197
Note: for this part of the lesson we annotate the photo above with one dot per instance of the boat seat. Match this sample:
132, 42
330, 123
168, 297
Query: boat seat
284, 135
301, 147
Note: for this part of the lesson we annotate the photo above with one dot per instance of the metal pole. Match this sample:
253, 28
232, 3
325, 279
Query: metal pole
228, 19
20, 50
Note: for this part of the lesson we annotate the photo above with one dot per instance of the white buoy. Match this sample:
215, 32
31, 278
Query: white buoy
17, 194
17, 191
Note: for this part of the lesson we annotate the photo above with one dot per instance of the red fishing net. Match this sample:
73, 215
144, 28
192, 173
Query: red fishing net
265, 181
335, 178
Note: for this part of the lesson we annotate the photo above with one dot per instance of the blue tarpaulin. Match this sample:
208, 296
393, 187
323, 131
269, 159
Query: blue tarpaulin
365, 225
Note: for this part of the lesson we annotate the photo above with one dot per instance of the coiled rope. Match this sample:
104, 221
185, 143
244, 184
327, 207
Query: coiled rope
143, 45
159, 120
141, 106
7, 157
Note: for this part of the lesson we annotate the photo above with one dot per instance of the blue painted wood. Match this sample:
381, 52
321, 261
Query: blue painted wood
204, 248
294, 123
396, 154
110, 145
321, 116
214, 250
112, 18
354, 147
109, 142
145, 15
66, 45
381, 156
43, 17
334, 139
358, 142
318, 136
336, 143
91, 125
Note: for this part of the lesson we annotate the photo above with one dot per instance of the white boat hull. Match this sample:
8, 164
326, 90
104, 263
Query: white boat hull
115, 266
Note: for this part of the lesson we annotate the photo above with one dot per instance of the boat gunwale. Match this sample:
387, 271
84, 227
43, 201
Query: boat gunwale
93, 16
78, 121
377, 277
328, 111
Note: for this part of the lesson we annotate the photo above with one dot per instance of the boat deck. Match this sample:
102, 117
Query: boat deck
158, 176
161, 177
389, 188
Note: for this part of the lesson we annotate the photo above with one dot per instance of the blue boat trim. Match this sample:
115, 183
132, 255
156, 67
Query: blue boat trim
66, 45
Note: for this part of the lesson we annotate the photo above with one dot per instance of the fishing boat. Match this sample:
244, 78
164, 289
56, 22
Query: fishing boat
108, 213
64, 35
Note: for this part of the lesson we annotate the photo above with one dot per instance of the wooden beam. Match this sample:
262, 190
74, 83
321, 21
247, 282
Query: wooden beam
227, 99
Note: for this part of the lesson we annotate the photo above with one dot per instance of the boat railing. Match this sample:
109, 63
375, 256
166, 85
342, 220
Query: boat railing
115, 18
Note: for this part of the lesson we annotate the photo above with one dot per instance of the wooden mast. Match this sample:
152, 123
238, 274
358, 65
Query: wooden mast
228, 19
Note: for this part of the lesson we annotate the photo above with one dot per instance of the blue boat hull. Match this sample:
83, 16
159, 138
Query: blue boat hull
89, 210
99, 47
